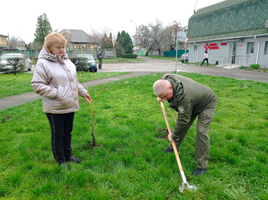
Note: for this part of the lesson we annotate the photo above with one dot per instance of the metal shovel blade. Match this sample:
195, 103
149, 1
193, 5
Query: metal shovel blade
186, 186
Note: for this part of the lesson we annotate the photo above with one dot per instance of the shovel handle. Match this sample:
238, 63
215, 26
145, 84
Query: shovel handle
173, 143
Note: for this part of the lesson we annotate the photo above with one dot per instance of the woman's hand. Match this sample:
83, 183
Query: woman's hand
88, 98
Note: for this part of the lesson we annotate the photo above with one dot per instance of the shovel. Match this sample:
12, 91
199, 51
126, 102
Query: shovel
185, 184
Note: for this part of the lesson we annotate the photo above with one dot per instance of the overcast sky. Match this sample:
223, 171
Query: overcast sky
19, 17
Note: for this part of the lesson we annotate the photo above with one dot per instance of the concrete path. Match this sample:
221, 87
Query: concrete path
139, 69
16, 100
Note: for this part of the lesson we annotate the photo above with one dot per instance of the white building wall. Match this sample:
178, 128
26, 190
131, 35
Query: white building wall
223, 55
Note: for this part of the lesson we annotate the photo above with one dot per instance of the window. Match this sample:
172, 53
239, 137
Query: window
3, 40
195, 48
266, 48
250, 47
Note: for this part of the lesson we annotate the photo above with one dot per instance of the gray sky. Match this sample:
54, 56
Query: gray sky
19, 17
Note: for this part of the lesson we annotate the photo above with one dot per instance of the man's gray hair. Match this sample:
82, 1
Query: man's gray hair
159, 86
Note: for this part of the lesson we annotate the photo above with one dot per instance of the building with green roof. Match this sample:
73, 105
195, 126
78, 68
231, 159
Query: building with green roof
232, 31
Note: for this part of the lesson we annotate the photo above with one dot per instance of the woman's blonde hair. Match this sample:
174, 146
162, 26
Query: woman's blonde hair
52, 38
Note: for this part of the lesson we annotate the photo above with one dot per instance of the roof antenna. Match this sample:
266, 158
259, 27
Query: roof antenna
195, 6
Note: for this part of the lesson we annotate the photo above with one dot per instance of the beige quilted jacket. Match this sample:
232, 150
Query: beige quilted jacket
56, 81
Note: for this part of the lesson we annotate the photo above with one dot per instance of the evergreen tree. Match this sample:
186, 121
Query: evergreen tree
43, 28
125, 41
118, 36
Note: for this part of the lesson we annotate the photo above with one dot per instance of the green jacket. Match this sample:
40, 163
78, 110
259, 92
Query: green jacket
189, 97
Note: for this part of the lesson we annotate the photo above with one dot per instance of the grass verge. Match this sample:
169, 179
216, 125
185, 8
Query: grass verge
11, 84
121, 60
128, 164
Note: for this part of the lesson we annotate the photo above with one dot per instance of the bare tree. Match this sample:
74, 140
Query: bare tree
150, 37
27, 46
144, 39
68, 36
156, 37
170, 32
96, 37
14, 42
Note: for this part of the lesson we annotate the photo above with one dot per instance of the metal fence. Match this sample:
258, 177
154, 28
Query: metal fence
172, 53
231, 60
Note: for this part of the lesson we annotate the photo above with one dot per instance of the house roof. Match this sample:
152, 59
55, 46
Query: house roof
229, 18
77, 36
3, 35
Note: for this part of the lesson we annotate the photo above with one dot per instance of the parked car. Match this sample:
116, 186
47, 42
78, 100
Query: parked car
184, 57
5, 66
91, 63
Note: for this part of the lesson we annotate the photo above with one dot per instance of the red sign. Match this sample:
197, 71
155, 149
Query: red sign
211, 46
223, 44
186, 40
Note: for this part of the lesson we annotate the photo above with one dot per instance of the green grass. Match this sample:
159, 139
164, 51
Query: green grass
128, 164
121, 60
165, 58
264, 69
11, 84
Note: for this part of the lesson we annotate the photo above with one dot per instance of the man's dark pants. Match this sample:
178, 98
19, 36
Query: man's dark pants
61, 128
202, 146
100, 63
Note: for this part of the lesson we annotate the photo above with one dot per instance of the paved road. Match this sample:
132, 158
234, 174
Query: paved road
138, 69
156, 65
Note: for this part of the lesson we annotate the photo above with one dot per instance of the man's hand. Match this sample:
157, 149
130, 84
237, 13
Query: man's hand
160, 100
88, 98
169, 138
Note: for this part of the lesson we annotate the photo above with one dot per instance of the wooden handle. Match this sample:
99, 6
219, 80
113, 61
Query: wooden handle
173, 143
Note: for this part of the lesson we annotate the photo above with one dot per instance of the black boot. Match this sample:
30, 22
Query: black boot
198, 171
73, 159
167, 150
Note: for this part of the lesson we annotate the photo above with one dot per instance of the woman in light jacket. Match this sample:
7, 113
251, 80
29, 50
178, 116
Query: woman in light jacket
56, 81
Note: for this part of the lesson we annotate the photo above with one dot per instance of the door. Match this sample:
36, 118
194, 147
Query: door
234, 53
230, 55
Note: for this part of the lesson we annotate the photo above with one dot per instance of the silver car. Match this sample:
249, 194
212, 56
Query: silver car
5, 66
184, 57
91, 63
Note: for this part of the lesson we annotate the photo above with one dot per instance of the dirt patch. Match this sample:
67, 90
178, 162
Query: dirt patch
162, 133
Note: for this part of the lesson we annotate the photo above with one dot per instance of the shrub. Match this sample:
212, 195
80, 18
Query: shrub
255, 66
242, 67
17, 64
129, 55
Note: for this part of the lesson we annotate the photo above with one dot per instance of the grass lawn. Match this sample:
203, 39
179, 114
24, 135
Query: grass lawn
121, 60
11, 84
129, 164
166, 58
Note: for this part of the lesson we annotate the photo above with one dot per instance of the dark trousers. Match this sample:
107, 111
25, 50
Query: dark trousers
61, 134
202, 146
100, 63
205, 59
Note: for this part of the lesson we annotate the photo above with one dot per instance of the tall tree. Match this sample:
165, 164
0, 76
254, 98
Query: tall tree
125, 41
96, 37
107, 42
43, 28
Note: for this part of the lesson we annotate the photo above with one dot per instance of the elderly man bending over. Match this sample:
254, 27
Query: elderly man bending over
190, 99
